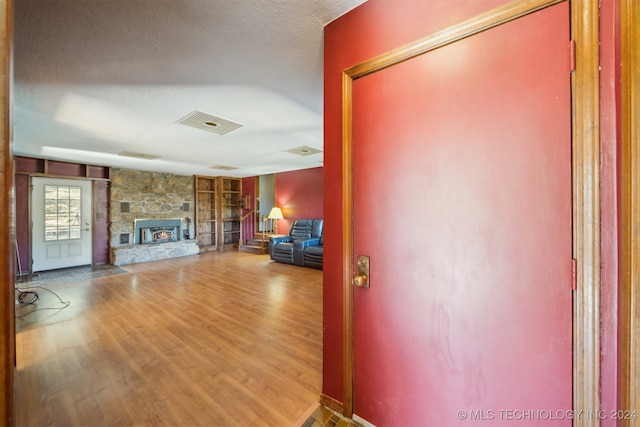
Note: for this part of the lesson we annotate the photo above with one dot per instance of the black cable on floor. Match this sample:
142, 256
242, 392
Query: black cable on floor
29, 296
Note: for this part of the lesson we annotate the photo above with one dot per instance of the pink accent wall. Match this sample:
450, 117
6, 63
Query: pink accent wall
299, 194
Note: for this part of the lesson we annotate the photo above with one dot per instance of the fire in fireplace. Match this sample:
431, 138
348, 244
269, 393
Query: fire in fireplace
158, 234
157, 230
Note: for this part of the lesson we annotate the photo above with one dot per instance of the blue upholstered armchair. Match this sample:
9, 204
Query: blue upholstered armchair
289, 249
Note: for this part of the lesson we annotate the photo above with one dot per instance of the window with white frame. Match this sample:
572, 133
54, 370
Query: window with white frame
62, 214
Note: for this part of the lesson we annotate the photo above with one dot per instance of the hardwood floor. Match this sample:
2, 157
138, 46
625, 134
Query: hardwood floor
218, 339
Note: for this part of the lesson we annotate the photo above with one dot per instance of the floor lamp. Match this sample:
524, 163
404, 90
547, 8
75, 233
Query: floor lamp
276, 213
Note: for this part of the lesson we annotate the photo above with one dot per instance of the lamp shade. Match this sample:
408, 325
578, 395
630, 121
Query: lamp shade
276, 213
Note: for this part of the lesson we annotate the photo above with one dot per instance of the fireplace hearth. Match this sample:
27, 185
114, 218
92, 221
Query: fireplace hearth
153, 231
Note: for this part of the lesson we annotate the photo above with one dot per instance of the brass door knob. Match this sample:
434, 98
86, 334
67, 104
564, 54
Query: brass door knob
361, 281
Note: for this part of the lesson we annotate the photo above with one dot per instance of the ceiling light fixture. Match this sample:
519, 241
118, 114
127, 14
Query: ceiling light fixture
203, 121
304, 150
223, 167
137, 155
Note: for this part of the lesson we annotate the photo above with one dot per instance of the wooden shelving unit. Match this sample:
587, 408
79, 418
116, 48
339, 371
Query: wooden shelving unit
217, 212
205, 212
230, 212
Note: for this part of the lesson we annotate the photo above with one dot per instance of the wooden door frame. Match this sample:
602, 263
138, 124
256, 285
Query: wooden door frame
585, 182
629, 368
7, 220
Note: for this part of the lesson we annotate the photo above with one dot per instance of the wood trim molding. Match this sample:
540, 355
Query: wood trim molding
629, 396
347, 242
41, 167
483, 22
586, 208
331, 403
586, 199
7, 220
48, 175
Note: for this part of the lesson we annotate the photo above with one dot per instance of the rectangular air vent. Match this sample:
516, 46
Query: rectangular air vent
199, 120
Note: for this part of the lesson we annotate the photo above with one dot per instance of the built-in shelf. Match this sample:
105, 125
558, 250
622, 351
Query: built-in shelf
218, 212
45, 167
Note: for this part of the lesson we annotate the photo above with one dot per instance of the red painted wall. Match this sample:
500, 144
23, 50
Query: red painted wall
299, 194
371, 29
380, 25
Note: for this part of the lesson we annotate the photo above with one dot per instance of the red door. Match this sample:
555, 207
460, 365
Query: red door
462, 201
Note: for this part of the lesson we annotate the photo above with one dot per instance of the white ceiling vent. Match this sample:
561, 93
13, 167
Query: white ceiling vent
223, 167
138, 155
304, 151
199, 120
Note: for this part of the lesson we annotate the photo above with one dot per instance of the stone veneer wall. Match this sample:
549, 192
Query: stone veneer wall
155, 195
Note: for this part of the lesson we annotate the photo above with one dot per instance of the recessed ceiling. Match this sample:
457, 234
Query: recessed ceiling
94, 79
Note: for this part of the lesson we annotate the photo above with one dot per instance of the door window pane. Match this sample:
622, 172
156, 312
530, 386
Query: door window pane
62, 213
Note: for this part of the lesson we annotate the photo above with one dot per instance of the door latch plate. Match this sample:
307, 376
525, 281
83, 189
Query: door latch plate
362, 279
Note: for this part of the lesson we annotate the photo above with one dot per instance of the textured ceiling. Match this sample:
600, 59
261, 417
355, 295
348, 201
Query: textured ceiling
96, 78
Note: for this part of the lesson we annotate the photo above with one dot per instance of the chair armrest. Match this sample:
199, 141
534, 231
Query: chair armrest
303, 243
298, 248
279, 239
273, 241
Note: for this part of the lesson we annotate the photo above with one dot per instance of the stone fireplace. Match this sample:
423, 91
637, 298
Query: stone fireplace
150, 216
153, 240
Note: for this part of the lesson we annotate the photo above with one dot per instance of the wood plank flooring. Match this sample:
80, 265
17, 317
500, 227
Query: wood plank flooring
218, 339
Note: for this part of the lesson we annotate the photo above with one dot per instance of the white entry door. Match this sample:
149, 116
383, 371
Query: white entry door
61, 223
